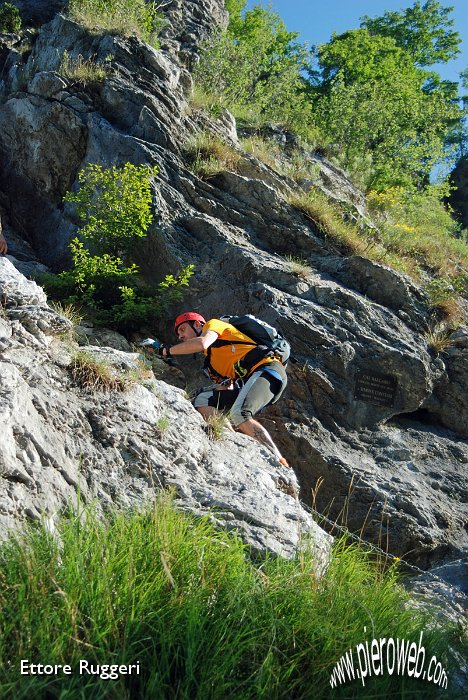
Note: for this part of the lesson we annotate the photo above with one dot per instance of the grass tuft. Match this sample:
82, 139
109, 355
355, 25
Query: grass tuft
217, 423
298, 266
209, 155
80, 70
72, 314
122, 17
163, 424
438, 340
96, 374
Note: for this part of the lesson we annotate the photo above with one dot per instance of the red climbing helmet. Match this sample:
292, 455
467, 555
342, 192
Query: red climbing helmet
187, 316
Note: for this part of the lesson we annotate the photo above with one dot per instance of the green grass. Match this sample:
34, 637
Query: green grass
97, 374
293, 164
329, 221
399, 242
208, 155
185, 601
82, 70
123, 17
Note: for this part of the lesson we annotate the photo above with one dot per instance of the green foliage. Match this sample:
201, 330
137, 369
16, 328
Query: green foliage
95, 280
424, 31
417, 225
442, 289
114, 205
258, 65
386, 120
125, 17
373, 101
137, 308
167, 590
10, 18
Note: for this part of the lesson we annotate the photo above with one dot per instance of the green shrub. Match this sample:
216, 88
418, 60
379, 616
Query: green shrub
10, 18
182, 599
124, 17
114, 206
94, 280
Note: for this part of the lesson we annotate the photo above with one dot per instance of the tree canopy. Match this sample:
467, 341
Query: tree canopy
375, 98
424, 31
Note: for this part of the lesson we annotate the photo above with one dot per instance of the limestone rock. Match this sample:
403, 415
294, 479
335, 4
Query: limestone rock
16, 290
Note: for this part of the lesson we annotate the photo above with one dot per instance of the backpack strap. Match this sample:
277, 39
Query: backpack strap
242, 367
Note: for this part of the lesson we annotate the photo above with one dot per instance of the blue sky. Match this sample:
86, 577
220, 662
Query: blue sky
317, 19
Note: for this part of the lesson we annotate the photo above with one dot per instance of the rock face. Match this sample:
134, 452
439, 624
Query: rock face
36, 12
370, 413
459, 196
121, 447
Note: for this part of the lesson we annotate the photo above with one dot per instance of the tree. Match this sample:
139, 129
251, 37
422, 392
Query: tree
10, 18
373, 100
258, 64
424, 31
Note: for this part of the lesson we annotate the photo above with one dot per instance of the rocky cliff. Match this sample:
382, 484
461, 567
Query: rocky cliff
373, 423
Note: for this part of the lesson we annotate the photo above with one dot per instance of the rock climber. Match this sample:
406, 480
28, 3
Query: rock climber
245, 378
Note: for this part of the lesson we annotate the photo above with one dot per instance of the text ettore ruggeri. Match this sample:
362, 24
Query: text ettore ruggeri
82, 668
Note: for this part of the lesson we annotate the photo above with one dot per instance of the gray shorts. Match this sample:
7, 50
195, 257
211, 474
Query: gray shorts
244, 402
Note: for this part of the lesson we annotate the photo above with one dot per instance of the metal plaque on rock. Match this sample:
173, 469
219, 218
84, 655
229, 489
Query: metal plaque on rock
376, 388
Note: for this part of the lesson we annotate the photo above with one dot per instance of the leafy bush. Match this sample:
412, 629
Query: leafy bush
125, 17
94, 280
10, 18
114, 205
168, 591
